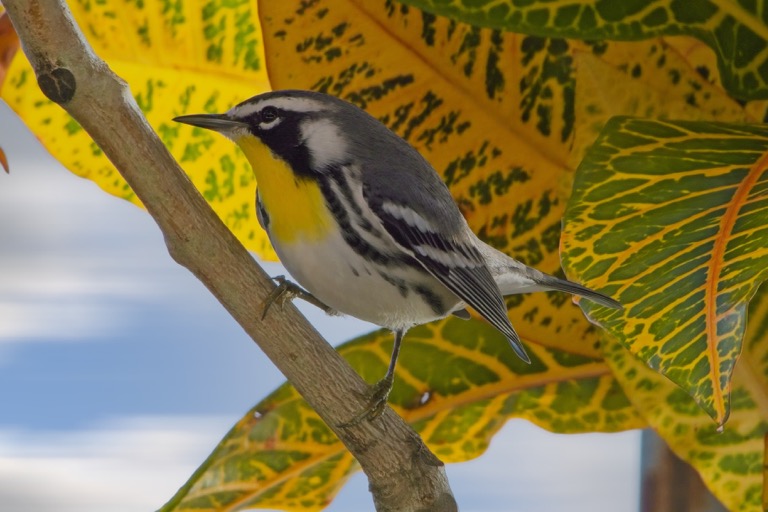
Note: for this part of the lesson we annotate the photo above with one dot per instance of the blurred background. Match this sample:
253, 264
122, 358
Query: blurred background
119, 372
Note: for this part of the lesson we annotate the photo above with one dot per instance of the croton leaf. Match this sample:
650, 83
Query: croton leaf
3, 161
495, 113
736, 31
457, 384
674, 215
177, 57
731, 462
9, 43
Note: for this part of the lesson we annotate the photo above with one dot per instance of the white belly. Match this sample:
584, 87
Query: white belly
340, 278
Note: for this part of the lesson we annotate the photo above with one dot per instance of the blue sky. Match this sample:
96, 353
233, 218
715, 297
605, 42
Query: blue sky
119, 372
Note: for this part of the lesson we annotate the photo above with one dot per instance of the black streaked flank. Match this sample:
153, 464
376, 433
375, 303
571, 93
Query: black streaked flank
429, 297
340, 179
432, 299
261, 212
338, 176
366, 250
351, 235
400, 284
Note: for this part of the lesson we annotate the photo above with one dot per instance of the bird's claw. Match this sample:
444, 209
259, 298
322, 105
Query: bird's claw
287, 290
377, 401
282, 292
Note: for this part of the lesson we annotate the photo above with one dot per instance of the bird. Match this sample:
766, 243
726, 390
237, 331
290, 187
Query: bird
365, 225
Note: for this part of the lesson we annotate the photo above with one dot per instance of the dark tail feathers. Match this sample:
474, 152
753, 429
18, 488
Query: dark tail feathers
576, 289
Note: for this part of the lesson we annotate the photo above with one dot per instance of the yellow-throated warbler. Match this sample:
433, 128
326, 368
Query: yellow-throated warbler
364, 223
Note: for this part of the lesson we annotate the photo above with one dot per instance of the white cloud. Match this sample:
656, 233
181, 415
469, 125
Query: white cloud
83, 279
36, 320
69, 256
137, 464
527, 469
69, 300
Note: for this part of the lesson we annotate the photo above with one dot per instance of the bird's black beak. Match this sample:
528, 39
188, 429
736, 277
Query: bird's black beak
216, 122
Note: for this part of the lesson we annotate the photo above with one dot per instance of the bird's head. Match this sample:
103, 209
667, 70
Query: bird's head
303, 128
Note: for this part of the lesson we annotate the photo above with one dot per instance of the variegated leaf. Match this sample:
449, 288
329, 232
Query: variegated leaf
672, 218
732, 461
495, 113
457, 384
736, 31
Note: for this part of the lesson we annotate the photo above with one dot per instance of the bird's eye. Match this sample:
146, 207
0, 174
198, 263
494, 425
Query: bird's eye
269, 114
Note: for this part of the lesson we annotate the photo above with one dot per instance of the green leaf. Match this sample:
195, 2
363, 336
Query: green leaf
735, 31
731, 462
457, 383
672, 219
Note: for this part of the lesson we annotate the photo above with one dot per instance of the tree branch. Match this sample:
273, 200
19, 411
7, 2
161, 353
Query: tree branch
403, 473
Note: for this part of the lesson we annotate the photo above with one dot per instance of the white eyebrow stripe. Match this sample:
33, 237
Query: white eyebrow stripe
291, 104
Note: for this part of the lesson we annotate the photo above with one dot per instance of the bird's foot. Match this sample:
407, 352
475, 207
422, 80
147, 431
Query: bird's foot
287, 290
377, 401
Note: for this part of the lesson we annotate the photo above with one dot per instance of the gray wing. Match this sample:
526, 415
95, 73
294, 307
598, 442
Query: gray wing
416, 209
453, 261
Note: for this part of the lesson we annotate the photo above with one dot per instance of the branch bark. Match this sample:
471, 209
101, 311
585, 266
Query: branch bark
403, 474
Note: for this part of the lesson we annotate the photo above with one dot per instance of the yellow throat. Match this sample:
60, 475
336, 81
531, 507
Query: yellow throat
295, 206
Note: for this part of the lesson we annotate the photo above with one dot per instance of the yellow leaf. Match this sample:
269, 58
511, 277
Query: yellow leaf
662, 85
178, 57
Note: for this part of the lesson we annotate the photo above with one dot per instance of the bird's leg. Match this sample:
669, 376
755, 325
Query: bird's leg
287, 290
377, 398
